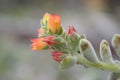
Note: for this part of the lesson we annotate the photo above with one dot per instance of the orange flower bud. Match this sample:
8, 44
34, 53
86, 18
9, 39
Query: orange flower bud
38, 44
54, 23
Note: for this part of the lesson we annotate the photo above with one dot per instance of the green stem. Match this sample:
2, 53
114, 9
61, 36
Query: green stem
100, 65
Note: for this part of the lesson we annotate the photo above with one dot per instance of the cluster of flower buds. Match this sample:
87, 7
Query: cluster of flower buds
68, 48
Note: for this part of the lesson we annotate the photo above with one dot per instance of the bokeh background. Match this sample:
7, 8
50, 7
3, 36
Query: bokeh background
20, 19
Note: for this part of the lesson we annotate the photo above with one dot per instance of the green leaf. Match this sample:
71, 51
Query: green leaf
88, 51
105, 52
116, 43
68, 62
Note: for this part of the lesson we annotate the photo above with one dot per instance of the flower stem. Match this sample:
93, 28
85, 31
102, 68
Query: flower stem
101, 65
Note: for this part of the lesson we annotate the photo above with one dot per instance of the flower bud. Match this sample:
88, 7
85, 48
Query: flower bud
105, 52
116, 43
50, 40
51, 24
72, 38
88, 51
54, 23
57, 56
72, 34
71, 31
45, 19
68, 62
38, 44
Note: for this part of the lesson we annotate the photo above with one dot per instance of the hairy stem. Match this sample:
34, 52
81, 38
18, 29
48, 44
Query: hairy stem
100, 65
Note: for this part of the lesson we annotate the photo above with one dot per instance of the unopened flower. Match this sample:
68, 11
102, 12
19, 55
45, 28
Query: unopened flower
54, 23
56, 55
71, 31
38, 44
51, 24
45, 18
50, 40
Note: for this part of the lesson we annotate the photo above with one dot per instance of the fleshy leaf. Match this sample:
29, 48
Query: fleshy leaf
116, 43
88, 51
105, 52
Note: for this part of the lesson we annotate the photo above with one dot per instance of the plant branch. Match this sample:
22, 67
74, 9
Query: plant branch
100, 65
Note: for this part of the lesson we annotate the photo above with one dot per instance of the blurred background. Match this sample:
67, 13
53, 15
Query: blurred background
20, 19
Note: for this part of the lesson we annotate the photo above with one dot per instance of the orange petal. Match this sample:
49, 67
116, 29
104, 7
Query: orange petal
54, 23
38, 44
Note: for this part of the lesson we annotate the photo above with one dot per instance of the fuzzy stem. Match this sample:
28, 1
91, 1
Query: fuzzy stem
100, 65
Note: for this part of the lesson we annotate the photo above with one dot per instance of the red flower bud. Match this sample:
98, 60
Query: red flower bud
50, 40
71, 30
56, 55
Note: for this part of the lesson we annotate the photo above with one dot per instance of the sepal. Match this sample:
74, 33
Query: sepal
68, 62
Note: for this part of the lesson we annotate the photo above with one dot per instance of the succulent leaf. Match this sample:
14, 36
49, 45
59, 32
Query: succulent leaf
105, 52
116, 43
88, 51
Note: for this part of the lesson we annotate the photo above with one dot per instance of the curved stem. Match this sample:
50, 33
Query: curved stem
100, 65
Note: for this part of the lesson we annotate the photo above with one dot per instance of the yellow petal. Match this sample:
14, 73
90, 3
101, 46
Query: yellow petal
45, 18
